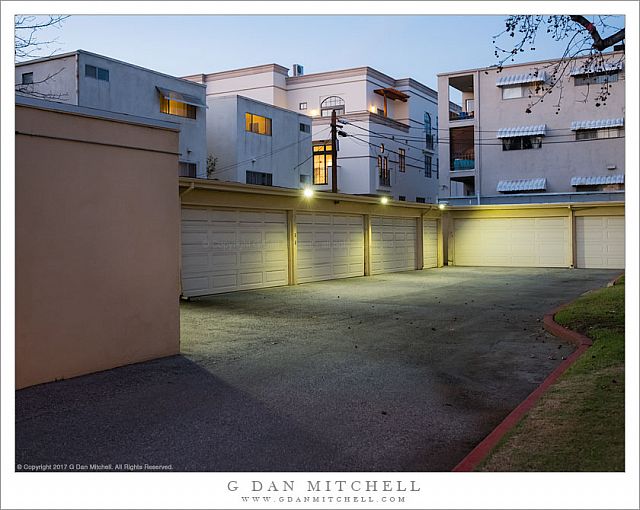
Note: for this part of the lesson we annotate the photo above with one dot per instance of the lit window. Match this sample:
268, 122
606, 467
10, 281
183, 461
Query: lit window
27, 78
402, 160
521, 143
260, 178
302, 106
332, 103
257, 124
383, 171
172, 107
321, 163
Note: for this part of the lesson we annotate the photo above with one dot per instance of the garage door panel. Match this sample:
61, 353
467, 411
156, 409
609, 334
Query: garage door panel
231, 249
600, 242
393, 244
430, 243
329, 246
511, 242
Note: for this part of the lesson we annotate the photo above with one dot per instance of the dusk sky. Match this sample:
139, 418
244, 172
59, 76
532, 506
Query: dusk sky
416, 46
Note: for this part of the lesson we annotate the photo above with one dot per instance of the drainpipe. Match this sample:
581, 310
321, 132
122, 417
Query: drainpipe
191, 187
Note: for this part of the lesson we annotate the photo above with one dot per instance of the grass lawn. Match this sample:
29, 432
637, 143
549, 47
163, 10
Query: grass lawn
578, 425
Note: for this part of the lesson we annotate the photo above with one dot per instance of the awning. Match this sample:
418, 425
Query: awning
597, 179
523, 185
517, 79
596, 124
172, 95
512, 132
393, 94
597, 67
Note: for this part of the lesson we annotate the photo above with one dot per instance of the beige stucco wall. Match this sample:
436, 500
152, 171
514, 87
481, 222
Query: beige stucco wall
97, 244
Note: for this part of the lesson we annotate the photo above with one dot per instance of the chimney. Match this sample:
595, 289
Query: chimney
298, 70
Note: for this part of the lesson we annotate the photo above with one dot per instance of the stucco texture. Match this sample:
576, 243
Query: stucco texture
97, 244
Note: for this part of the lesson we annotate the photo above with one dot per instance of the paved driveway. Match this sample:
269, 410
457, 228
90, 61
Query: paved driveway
400, 372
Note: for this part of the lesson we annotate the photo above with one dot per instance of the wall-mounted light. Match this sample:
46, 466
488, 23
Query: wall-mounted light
308, 193
442, 206
313, 113
384, 200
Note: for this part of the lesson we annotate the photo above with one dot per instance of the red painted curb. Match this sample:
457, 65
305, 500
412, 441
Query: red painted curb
480, 452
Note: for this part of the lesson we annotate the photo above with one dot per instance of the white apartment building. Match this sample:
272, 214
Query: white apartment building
390, 125
513, 143
258, 143
94, 81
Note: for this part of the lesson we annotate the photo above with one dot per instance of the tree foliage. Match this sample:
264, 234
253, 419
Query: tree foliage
585, 43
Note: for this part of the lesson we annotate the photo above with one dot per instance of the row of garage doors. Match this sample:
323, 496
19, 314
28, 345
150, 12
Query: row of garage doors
538, 242
225, 250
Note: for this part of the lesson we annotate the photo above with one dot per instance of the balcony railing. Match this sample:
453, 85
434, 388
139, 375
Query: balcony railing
463, 163
460, 115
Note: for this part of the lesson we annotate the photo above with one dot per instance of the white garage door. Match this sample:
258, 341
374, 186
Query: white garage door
329, 246
225, 250
393, 244
600, 242
430, 243
514, 242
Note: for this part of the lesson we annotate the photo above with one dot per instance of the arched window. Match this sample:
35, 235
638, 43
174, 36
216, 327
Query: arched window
332, 103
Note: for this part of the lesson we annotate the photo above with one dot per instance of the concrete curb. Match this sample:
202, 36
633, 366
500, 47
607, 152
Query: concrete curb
582, 343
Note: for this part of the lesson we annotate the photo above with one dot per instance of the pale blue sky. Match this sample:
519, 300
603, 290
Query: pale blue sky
400, 46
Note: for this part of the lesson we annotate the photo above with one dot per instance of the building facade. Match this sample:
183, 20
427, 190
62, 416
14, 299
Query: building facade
513, 141
257, 143
85, 79
388, 127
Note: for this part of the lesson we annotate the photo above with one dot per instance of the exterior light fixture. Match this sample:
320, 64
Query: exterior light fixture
308, 193
384, 200
442, 206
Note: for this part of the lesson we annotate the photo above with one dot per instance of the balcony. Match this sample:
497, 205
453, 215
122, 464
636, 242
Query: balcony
453, 116
463, 163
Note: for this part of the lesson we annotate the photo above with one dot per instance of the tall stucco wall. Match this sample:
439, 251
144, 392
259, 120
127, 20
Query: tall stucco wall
97, 244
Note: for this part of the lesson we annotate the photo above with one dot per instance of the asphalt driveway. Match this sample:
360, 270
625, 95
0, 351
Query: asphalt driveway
398, 372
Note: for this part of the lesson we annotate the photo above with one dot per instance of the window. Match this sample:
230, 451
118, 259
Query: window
512, 92
596, 78
437, 168
257, 124
402, 198
96, 72
521, 143
332, 103
305, 128
187, 169
402, 160
428, 161
305, 179
321, 163
383, 171
428, 131
420, 200
470, 105
594, 134
261, 178
302, 106
27, 78
171, 107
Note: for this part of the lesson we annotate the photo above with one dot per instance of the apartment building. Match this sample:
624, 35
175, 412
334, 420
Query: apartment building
257, 143
515, 142
388, 127
94, 81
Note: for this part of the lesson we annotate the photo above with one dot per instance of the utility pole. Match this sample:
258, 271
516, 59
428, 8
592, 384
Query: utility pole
334, 153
